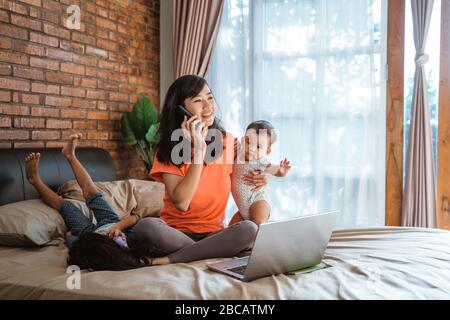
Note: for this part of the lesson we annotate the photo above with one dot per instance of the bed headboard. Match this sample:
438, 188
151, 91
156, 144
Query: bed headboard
53, 167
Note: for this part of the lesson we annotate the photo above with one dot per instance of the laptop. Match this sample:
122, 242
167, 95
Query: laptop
282, 247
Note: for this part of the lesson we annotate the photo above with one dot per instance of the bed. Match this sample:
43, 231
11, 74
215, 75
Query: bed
362, 263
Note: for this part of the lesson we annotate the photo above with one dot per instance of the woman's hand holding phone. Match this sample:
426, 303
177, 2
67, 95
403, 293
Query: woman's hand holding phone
196, 132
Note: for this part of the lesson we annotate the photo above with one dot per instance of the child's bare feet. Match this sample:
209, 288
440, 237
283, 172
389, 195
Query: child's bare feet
32, 167
69, 149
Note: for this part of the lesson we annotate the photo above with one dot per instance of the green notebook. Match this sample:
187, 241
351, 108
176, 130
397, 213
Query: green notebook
309, 269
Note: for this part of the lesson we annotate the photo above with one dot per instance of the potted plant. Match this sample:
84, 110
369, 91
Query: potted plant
140, 129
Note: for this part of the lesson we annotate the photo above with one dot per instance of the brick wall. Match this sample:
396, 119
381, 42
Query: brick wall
55, 81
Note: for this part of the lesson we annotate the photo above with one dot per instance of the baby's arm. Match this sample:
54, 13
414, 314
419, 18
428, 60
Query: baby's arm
279, 170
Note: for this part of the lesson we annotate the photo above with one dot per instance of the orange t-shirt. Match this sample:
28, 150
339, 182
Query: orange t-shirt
207, 209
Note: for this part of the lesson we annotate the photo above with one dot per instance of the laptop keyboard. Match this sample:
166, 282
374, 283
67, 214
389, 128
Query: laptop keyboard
238, 270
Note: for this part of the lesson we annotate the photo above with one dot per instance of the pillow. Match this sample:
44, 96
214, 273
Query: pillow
30, 223
149, 197
141, 197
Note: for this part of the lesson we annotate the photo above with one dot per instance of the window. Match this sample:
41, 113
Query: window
316, 70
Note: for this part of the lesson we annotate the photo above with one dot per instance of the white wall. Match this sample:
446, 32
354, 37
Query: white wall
165, 38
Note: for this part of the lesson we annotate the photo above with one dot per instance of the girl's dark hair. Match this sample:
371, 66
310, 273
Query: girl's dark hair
264, 125
170, 119
95, 251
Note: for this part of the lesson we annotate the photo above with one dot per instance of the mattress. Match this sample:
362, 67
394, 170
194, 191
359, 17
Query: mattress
362, 263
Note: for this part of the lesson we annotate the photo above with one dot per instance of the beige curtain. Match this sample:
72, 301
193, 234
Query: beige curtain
195, 27
419, 200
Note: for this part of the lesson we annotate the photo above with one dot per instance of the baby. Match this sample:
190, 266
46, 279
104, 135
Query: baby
253, 156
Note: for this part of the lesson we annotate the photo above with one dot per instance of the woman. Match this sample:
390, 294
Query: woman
197, 189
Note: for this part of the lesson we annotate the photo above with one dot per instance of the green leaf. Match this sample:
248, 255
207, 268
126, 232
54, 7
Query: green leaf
127, 132
150, 113
137, 120
152, 133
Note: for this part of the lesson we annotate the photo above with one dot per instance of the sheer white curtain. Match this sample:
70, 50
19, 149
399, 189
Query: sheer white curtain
314, 69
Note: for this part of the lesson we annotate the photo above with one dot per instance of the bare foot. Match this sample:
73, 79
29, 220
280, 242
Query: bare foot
160, 261
69, 149
32, 167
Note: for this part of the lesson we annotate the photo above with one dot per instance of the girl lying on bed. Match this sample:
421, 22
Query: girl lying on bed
104, 246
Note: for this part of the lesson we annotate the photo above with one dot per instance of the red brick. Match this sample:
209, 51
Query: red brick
86, 60
52, 5
104, 23
44, 112
59, 124
29, 123
98, 115
15, 58
117, 76
45, 135
118, 58
58, 54
14, 110
107, 85
23, 145
26, 22
43, 39
102, 64
36, 3
13, 32
5, 122
44, 88
4, 16
35, 12
5, 70
117, 96
97, 135
14, 7
102, 12
97, 73
72, 68
5, 43
50, 16
106, 44
28, 47
31, 98
44, 63
55, 144
107, 125
71, 46
58, 101
106, 105
14, 135
13, 84
28, 73
85, 124
73, 114
86, 82
115, 115
59, 32
5, 96
96, 94
96, 52
79, 37
58, 77
73, 92
84, 103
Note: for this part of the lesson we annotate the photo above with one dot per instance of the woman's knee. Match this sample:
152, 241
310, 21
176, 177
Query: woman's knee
246, 233
147, 229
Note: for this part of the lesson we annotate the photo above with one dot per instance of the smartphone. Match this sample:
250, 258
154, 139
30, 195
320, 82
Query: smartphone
186, 113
